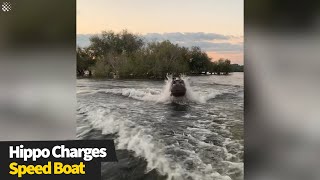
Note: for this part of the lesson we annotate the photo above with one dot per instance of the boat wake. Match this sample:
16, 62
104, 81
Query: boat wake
202, 140
159, 95
138, 139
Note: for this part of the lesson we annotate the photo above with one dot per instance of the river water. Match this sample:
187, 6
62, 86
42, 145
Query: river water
199, 137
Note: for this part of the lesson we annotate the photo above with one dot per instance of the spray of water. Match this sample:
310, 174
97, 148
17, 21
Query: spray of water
193, 96
163, 95
136, 138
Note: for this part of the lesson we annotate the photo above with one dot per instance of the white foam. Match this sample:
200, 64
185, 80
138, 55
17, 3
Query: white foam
189, 116
85, 91
157, 95
137, 139
197, 96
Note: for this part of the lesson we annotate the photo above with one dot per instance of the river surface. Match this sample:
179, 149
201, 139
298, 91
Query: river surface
199, 137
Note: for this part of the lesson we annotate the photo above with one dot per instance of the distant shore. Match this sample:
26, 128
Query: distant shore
125, 55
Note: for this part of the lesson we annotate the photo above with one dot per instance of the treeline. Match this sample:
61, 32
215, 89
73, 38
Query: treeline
237, 68
127, 55
224, 66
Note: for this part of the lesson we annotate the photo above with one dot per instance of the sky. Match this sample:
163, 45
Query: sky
216, 26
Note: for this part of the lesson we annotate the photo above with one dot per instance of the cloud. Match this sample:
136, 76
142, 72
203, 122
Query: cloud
201, 39
206, 41
210, 46
178, 36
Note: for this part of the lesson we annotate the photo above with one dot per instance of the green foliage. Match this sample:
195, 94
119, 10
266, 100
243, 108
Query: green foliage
118, 43
237, 68
165, 57
222, 66
199, 61
84, 61
226, 66
101, 68
125, 55
213, 67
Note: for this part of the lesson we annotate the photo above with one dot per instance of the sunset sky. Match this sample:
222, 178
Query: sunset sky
214, 25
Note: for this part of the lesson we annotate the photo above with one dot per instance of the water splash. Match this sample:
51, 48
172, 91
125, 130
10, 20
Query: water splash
133, 137
194, 96
159, 95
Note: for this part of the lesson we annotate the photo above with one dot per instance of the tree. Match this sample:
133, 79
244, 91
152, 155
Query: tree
213, 67
166, 58
84, 61
199, 61
101, 69
226, 66
222, 66
110, 42
236, 68
126, 55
